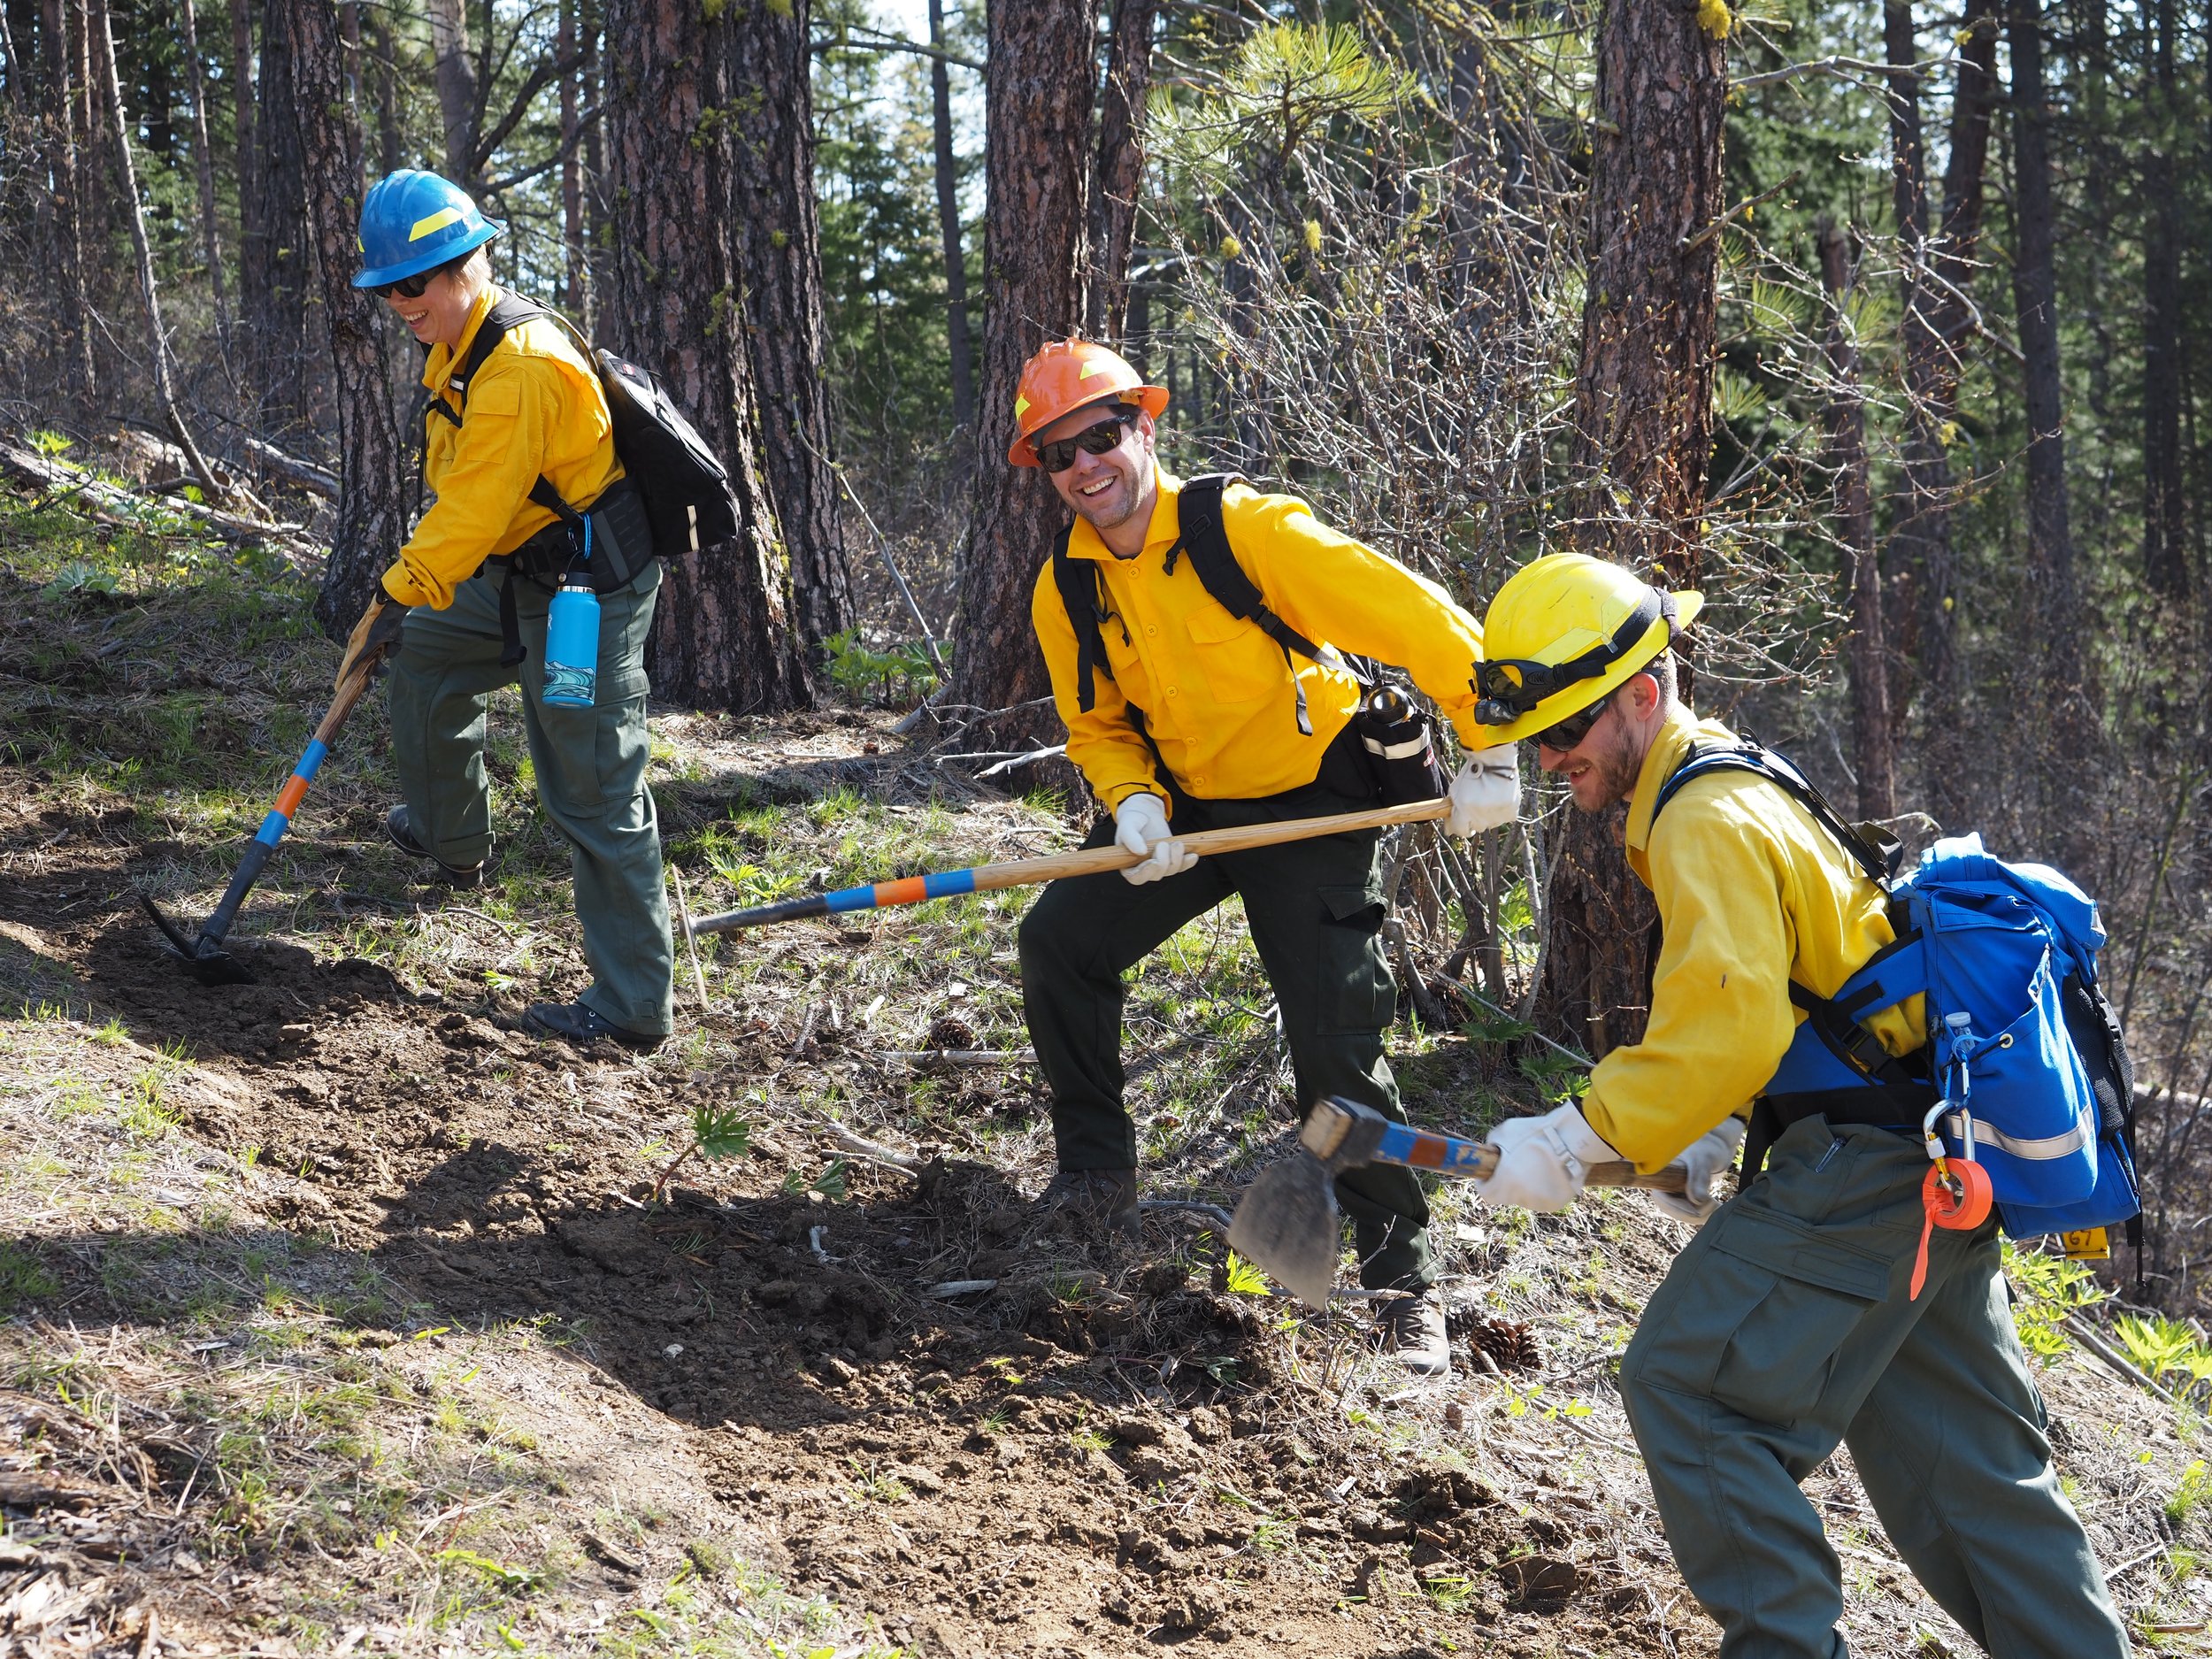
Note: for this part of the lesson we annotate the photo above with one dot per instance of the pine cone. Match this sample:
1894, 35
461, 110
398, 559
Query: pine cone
1510, 1347
949, 1031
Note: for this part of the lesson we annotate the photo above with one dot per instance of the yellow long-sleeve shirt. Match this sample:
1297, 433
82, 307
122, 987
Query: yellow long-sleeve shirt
535, 406
1217, 693
1752, 893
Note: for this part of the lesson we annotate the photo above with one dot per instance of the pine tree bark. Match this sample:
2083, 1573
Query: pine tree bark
456, 89
374, 461
1866, 649
273, 275
100, 33
573, 284
1643, 437
961, 350
203, 167
1120, 171
1035, 159
2165, 546
724, 636
1939, 274
781, 240
79, 371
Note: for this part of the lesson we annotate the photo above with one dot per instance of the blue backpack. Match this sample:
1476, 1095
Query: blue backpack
2025, 1071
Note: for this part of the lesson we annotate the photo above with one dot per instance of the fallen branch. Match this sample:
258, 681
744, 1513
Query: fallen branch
922, 1059
48, 476
1214, 1213
292, 470
2083, 1333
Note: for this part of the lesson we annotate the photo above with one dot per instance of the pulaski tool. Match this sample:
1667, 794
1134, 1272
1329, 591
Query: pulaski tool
1288, 1221
948, 884
204, 954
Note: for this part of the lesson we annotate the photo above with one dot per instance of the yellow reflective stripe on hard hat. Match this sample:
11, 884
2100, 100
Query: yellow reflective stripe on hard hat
438, 221
1095, 367
1021, 407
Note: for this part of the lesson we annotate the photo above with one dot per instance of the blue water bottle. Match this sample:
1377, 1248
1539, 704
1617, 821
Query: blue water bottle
572, 638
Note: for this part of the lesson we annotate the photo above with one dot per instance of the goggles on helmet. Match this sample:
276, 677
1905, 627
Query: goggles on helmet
1512, 686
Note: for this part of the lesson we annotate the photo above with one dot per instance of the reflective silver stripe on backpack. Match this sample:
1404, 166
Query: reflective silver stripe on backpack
692, 509
2048, 1146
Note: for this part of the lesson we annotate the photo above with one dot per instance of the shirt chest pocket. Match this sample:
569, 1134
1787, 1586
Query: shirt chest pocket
1238, 662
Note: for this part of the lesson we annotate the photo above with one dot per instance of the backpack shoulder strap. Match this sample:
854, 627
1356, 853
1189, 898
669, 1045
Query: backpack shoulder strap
1880, 862
510, 313
1079, 592
1205, 537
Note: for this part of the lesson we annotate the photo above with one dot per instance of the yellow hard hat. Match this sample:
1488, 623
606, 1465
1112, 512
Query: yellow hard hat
1564, 632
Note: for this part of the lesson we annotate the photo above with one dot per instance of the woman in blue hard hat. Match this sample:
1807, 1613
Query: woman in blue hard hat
518, 449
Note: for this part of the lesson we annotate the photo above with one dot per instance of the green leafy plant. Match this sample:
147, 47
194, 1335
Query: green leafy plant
1241, 1278
901, 675
2046, 1288
717, 1133
2163, 1348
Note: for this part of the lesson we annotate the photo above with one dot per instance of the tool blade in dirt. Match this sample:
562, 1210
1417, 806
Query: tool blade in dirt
204, 954
1288, 1225
1288, 1221
209, 962
1090, 861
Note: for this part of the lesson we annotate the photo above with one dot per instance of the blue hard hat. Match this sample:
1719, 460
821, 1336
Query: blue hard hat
414, 222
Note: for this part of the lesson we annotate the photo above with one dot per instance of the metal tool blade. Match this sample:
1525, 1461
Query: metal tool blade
1287, 1224
209, 963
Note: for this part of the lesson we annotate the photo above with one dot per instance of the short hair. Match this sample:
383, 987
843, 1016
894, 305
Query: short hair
1661, 668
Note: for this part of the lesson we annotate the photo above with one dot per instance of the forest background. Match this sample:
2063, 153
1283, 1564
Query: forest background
1867, 320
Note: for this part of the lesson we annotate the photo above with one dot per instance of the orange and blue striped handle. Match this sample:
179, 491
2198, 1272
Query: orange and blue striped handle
945, 884
264, 841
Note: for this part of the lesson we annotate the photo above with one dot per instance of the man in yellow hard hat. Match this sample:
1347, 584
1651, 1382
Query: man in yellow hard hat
1194, 632
1789, 1322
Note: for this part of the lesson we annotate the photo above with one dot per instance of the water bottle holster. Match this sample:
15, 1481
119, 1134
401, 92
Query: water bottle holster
621, 547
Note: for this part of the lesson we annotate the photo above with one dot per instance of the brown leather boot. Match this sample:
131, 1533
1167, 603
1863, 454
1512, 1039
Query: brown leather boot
1411, 1328
1100, 1198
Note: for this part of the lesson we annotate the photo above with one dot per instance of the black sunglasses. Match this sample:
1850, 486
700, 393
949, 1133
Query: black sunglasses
1565, 734
411, 288
1102, 439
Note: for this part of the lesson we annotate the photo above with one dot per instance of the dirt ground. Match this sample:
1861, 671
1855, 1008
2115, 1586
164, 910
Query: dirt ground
341, 1315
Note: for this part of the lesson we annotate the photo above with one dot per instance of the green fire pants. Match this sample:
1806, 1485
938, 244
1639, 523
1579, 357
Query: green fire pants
1787, 1326
1316, 909
590, 766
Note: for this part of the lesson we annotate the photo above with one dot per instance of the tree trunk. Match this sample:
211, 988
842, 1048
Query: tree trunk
1038, 115
572, 175
79, 369
389, 149
780, 241
203, 159
277, 272
1643, 436
2165, 548
246, 161
724, 636
598, 254
456, 89
2060, 689
100, 33
374, 463
1867, 651
1939, 273
963, 352
1120, 172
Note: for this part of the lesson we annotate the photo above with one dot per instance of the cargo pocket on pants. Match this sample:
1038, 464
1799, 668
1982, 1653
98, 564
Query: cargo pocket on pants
1355, 993
1802, 1296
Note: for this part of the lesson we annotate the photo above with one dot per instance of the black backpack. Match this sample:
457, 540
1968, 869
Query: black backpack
685, 488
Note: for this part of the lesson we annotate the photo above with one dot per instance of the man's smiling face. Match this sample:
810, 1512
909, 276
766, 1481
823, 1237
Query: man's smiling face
1108, 490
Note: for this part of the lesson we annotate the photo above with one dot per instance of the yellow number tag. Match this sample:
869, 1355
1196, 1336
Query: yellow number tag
2092, 1245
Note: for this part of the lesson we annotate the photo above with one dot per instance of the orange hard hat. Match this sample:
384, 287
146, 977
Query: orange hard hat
1067, 374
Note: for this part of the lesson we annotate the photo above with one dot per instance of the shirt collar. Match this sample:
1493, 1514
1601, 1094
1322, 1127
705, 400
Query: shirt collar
441, 361
1159, 535
1669, 745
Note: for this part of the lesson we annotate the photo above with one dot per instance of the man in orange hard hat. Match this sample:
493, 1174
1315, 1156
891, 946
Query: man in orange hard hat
1195, 632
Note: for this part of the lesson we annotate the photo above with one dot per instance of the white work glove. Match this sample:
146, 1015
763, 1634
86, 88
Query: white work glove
1702, 1160
1487, 793
1140, 826
1544, 1161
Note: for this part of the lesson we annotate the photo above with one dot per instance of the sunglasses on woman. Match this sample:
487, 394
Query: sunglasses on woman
411, 288
1568, 733
1102, 439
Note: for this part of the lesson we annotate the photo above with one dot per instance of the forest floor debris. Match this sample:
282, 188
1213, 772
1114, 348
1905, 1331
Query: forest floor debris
340, 1317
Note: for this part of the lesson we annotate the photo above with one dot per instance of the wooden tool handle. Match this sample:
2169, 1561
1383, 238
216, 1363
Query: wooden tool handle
1097, 860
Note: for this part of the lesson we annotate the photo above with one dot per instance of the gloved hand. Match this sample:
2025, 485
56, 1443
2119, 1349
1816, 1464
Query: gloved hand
377, 633
1487, 793
1545, 1160
1703, 1160
1140, 826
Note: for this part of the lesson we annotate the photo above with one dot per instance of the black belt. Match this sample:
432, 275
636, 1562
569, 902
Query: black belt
622, 546
1896, 1107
